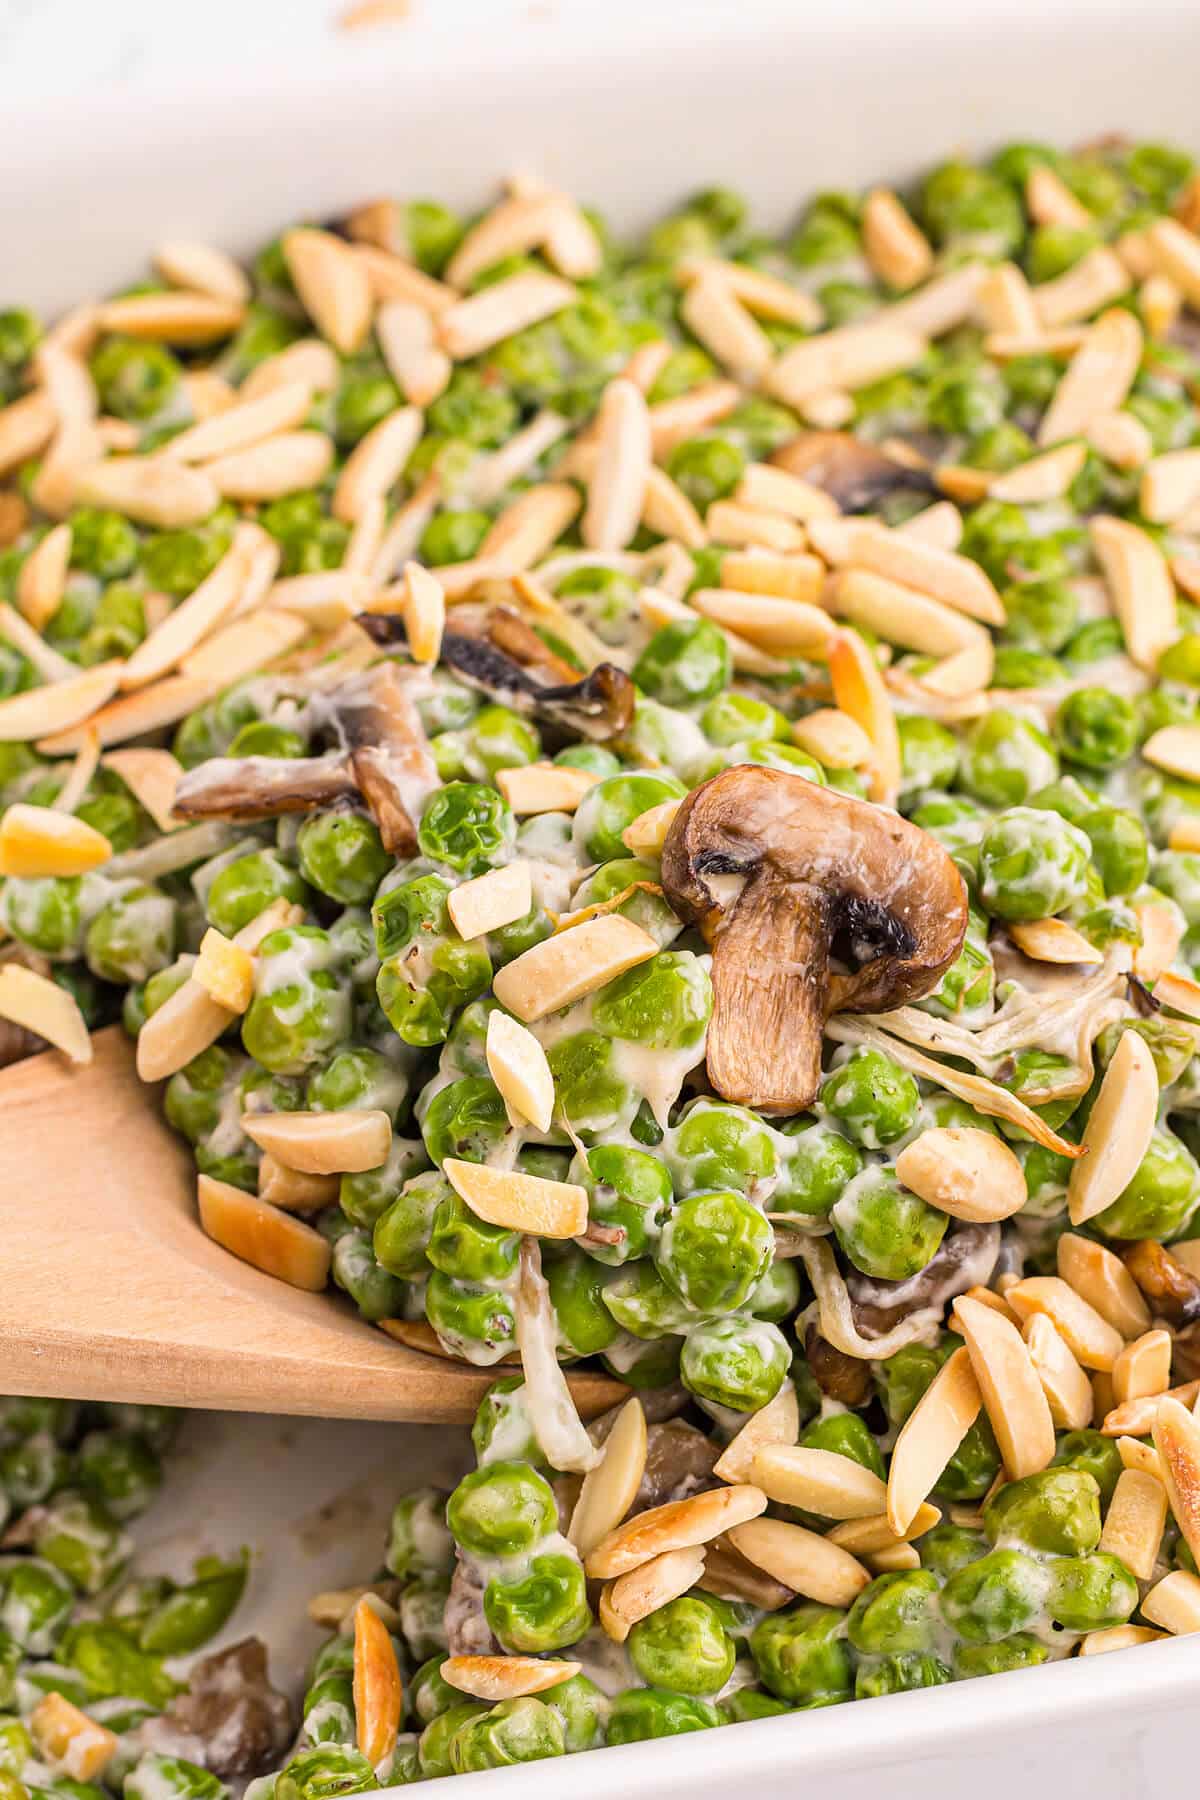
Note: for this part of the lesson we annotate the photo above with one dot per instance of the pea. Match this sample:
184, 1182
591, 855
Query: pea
965, 205
1096, 728
365, 397
629, 1192
300, 1010
194, 1613
1058, 1510
1160, 1199
845, 1434
873, 1099
463, 1245
402, 1230
1120, 852
612, 805
103, 543
577, 1291
1089, 1593
322, 1773
112, 1665
434, 1744
515, 1731
465, 1120
1032, 864
801, 1655
359, 1077
176, 562
419, 1540
466, 826
647, 1712
642, 1303
734, 718
31, 1470
376, 1292
583, 1710
737, 1363
685, 662
1000, 1593
1020, 668
327, 1711
714, 1249
777, 1295
545, 1609
133, 937
248, 886
1020, 1651
948, 1548
664, 1004
899, 1674
682, 1647
134, 380
1004, 759
815, 1168
707, 468
50, 913
748, 1703
121, 1469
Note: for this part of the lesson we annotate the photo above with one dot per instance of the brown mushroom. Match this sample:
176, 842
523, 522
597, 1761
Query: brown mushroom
1171, 1288
857, 475
679, 1462
965, 1258
1185, 1354
241, 1724
263, 787
813, 903
843, 1378
467, 1630
377, 716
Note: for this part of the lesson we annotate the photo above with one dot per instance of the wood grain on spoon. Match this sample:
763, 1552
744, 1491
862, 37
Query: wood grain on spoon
111, 1291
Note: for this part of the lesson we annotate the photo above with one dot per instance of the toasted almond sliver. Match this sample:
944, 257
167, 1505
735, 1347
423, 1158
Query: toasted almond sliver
528, 529
544, 787
778, 1422
292, 1191
72, 1743
1176, 1433
928, 1439
512, 228
820, 1481
518, 1066
967, 1173
133, 715
718, 320
852, 356
497, 312
574, 963
322, 1143
617, 488
1175, 748
333, 285
667, 511
610, 1489
1139, 582
42, 581
833, 738
557, 1209
248, 422
190, 1020
1136, 1455
225, 971
647, 834
896, 248
153, 490
423, 609
1117, 1637
642, 1591
1133, 1524
1120, 438
776, 490
1170, 486
1091, 1339
997, 1302
868, 1537
377, 462
39, 1005
179, 317
1005, 302
1182, 995
764, 295
1174, 1603
1176, 252
1118, 1132
495, 1678
785, 627
679, 1525
1094, 281
939, 525
26, 427
40, 840
79, 776
859, 690
378, 1694
1049, 201
749, 527
259, 1234
334, 1607
942, 574
757, 571
1066, 1387
899, 615
59, 707
1136, 1417
490, 901
325, 599
280, 465
203, 269
674, 421
191, 622
1098, 379
407, 342
46, 661
802, 1560
940, 305
309, 361
1011, 1391
1045, 477
1053, 941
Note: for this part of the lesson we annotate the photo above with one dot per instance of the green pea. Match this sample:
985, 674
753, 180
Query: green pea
948, 1548
706, 468
1032, 864
176, 562
1057, 1509
365, 397
1016, 668
684, 662
872, 1098
1096, 728
135, 380
682, 1647
801, 1655
503, 1429
248, 886
582, 1709
501, 1510
32, 1469
629, 1192
1021, 1651
515, 1731
103, 543
464, 1245
1040, 615
403, 1229
50, 913
777, 1295
899, 1674
1090, 1593
327, 1711
967, 206
737, 1363
648, 1712
76, 1535
1120, 852
576, 1284
465, 825
1004, 759
467, 1119
322, 1773
357, 1271
112, 1665
815, 1168
121, 1469
714, 1249
133, 937
358, 1077
422, 1609
453, 537
644, 907
747, 1703
1160, 1199
929, 754
544, 1609
590, 1092
664, 1004
196, 1612
642, 1303
720, 1146
609, 807
300, 1009
429, 1693
433, 1746
419, 1540
996, 1595
845, 1434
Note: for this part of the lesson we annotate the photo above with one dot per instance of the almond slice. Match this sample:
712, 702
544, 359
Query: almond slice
333, 285
1094, 281
1009, 1385
261, 1235
667, 511
802, 1560
928, 1439
497, 312
243, 424
225, 971
378, 1693
941, 305
859, 690
1005, 302
566, 967
1054, 941
870, 1536
1136, 1455
729, 1576
543, 787
79, 776
764, 295
672, 422
407, 342
309, 361
963, 676
1042, 478
1170, 486
1143, 596
1118, 1132
293, 1192
1174, 1603
1182, 995
333, 1608
1120, 438
517, 1064
1066, 1387
646, 835
1117, 1637
46, 661
642, 1591
900, 615
494, 1678
611, 1487
393, 278
1176, 252
833, 738
60, 707
1091, 1339
776, 1423
758, 571
133, 715
775, 490
617, 487
968, 1173
788, 627
198, 615
896, 248
1049, 201
679, 1525
285, 464
1133, 1524
717, 319
512, 228
203, 269
26, 427
491, 901
820, 1481
1097, 380
152, 490
1176, 1433
377, 462
172, 318
941, 574
557, 1209
527, 530
939, 525
1175, 748
42, 581
1187, 1251
40, 1005
322, 1143
38, 841
152, 777
72, 1743
1143, 1367
747, 526
849, 357
1136, 1417
324, 600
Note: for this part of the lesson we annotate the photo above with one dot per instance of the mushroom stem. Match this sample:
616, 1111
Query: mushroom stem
263, 787
392, 764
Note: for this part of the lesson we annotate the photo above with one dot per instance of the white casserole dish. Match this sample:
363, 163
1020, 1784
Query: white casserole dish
777, 101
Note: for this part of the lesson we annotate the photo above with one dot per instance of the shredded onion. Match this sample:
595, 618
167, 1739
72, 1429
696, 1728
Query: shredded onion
837, 1312
556, 1424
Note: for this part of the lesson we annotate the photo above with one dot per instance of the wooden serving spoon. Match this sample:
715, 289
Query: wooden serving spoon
109, 1290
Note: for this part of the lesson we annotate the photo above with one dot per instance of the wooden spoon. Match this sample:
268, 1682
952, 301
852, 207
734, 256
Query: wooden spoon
109, 1290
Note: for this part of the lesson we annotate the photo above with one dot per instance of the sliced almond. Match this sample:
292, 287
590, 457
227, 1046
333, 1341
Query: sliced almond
642, 1591
377, 462
766, 296
173, 318
495, 1678
528, 529
26, 427
529, 1203
322, 1143
1187, 1251
59, 707
1170, 486
1054, 941
293, 1191
309, 361
378, 1693
1175, 748
929, 1437
748, 526
40, 1005
899, 615
1091, 1339
718, 320
407, 341
1117, 1637
776, 1423
79, 776
1118, 1132
225, 971
497, 312
325, 599
672, 422
39, 840
785, 627
261, 1235
1139, 582
802, 1560
42, 581
133, 715
667, 511
46, 661
1094, 281
820, 1481
679, 1525
940, 305
517, 1064
423, 608
490, 901
544, 787
72, 1743
1174, 1603
868, 1537
191, 621
1136, 1455
1066, 1387
285, 464
1005, 302
859, 690
564, 968
834, 738
970, 1174
512, 228
153, 490
647, 834
1049, 201
1136, 1417
1182, 995
1143, 1367
395, 278
1133, 1524
242, 425
208, 395
776, 490
203, 269
1176, 252
610, 1489
1011, 1391
333, 285
849, 357
617, 487
896, 248
1098, 378
1120, 438
955, 580
897, 1558
1042, 478
939, 525
758, 571
997, 1302
1176, 1433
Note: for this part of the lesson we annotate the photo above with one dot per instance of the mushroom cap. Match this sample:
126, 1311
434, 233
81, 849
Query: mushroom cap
856, 474
813, 903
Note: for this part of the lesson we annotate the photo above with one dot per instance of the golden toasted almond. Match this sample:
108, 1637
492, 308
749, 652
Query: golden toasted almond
190, 1020
647, 834
59, 706
1053, 941
407, 341
1133, 1524
1181, 994
858, 690
470, 326
1117, 1637
1121, 439
1136, 1417
928, 1439
72, 1743
1118, 1132
495, 1678
1187, 1251
1098, 378
529, 527
26, 427
309, 361
758, 571
1162, 926
1005, 302
366, 536
203, 269
988, 1297
14, 518
324, 599
79, 776
667, 511
1067, 1388
333, 285
964, 675
894, 1560
717, 319
191, 621
178, 317
1143, 1457
940, 525
789, 627
544, 787
1174, 1603
749, 527
1008, 1383
261, 1235
281, 465
378, 1693
1101, 1278
610, 1488
834, 738
1160, 303
152, 490
246, 423
1049, 201
152, 776
1089, 1336
323, 1143
515, 226
802, 1560
1175, 251
820, 1481
776, 1423
1176, 1434
293, 1191
208, 395
967, 1173
642, 1591
42, 581
556, 1209
764, 295
517, 1064
966, 487
896, 248
1042, 478
849, 357
38, 841
334, 1607
225, 971
940, 305
869, 1537
900, 615
943, 575
776, 490
679, 1525
674, 421
1143, 1367
1175, 748
574, 963
1094, 281
490, 901
132, 716
377, 462
617, 485
571, 242
1170, 486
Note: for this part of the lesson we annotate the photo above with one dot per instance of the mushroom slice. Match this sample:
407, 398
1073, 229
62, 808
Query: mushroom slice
788, 881
389, 754
855, 474
263, 787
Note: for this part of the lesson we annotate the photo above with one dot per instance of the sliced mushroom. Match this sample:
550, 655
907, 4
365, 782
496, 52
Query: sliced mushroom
855, 474
242, 1723
467, 1630
679, 1462
813, 903
377, 716
841, 1377
1172, 1290
1185, 1353
965, 1259
263, 787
